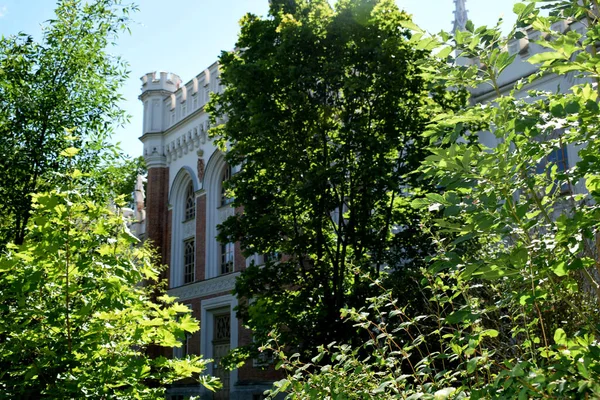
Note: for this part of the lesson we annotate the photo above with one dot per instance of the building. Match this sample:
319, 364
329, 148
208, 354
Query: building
186, 201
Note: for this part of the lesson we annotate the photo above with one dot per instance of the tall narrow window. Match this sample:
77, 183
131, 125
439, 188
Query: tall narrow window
189, 250
224, 178
226, 258
190, 203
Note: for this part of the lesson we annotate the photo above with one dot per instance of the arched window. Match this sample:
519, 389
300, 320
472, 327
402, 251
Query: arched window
190, 203
189, 250
224, 178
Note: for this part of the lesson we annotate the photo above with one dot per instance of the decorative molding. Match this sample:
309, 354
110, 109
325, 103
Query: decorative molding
220, 284
189, 229
187, 142
200, 169
225, 212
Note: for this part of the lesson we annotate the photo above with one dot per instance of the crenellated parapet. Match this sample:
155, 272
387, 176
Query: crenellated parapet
170, 105
163, 81
189, 141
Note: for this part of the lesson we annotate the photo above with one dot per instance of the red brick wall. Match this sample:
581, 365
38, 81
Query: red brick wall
201, 238
167, 243
156, 208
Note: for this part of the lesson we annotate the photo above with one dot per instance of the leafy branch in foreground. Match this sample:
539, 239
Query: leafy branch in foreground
75, 318
65, 80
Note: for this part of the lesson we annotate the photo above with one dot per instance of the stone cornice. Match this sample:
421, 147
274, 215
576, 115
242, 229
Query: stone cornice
155, 161
220, 284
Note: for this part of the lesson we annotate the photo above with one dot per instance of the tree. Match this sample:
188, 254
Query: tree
116, 176
66, 81
74, 319
519, 317
324, 112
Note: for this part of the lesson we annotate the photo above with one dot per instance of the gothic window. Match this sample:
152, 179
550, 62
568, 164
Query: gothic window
227, 258
190, 203
224, 178
189, 250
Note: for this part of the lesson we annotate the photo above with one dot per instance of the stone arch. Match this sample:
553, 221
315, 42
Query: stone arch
183, 229
216, 212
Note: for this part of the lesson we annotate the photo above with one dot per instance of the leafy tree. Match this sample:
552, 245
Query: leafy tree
324, 111
66, 80
518, 318
116, 176
74, 320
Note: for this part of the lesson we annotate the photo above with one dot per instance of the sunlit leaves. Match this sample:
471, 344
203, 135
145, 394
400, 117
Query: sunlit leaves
75, 316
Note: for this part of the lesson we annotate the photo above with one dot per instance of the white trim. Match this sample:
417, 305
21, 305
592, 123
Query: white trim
220, 284
181, 230
208, 308
215, 213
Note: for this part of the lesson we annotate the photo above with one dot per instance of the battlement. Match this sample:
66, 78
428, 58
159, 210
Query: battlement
163, 81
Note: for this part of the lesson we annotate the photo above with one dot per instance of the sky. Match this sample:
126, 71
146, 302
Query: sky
186, 36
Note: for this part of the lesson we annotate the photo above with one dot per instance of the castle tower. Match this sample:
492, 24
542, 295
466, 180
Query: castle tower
155, 91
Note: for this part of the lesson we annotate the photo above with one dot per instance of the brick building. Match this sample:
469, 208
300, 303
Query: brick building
185, 202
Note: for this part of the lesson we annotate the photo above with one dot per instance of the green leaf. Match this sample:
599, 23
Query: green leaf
560, 269
560, 337
70, 152
408, 24
546, 56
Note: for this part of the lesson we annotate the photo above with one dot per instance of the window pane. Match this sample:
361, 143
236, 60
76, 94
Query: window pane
188, 261
190, 203
227, 258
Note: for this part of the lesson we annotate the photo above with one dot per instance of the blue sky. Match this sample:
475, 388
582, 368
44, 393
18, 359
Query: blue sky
186, 36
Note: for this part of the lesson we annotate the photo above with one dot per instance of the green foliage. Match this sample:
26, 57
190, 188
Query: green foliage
324, 112
75, 318
517, 317
65, 81
116, 177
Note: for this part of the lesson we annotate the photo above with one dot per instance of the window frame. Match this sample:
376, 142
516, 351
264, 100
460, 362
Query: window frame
189, 261
227, 258
189, 205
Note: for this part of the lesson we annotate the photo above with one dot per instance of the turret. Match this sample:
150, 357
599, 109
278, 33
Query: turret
154, 91
460, 16
459, 24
